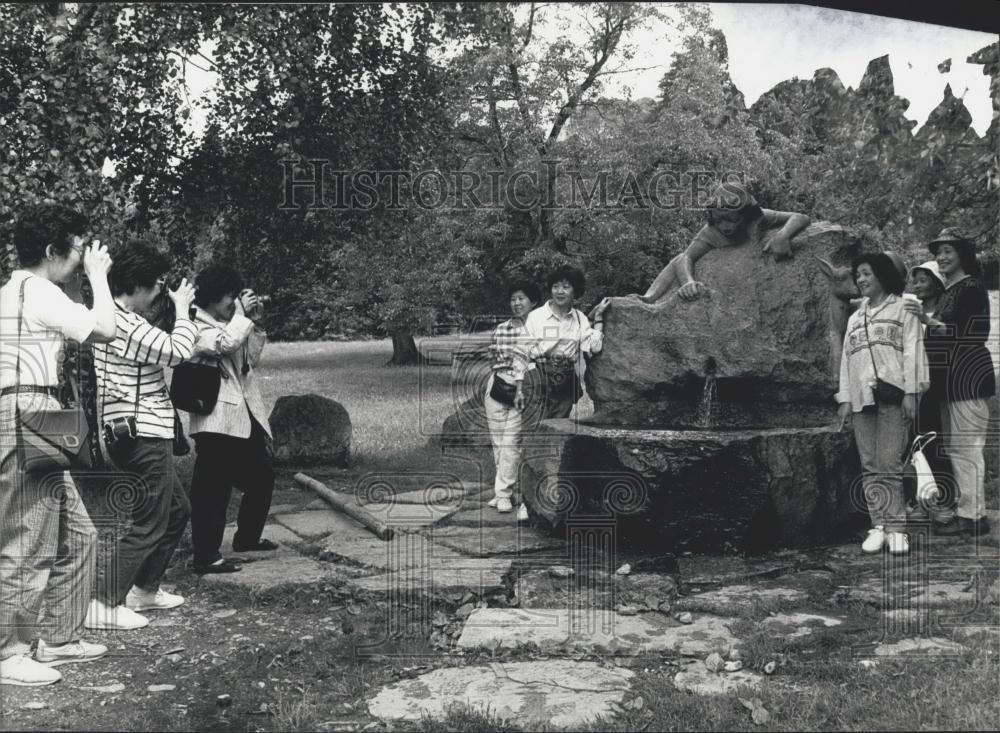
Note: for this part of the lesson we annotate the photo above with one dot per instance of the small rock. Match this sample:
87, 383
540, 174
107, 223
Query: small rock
664, 607
463, 612
735, 666
34, 706
161, 688
173, 658
440, 619
714, 662
115, 687
224, 701
865, 663
624, 569
636, 704
469, 597
653, 603
684, 618
225, 613
771, 666
734, 655
626, 609
561, 571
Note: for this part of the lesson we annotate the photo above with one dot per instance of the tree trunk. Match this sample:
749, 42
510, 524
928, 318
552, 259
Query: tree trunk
404, 349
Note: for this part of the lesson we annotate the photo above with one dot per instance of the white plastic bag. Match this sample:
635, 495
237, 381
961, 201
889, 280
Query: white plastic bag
927, 488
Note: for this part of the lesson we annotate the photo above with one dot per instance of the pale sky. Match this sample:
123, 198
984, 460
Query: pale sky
770, 43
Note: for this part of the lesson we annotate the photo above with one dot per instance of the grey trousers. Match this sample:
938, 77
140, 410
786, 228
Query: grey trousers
152, 496
882, 439
47, 547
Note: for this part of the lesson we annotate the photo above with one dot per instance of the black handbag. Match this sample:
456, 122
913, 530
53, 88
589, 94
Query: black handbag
49, 440
883, 392
503, 392
194, 387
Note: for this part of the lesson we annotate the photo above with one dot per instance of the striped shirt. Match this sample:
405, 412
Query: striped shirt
131, 367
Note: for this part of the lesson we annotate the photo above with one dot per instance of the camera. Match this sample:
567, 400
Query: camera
121, 428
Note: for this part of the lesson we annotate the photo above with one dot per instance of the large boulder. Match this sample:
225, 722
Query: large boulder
310, 429
759, 349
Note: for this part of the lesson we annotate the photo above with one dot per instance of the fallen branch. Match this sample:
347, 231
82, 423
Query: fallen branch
346, 505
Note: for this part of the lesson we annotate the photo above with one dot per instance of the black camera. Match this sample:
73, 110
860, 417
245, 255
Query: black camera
119, 429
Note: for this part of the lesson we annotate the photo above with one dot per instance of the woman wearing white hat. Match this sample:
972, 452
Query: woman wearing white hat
927, 284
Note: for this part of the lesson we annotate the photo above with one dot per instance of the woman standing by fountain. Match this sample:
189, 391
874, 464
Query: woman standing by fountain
503, 417
957, 335
883, 370
558, 334
927, 284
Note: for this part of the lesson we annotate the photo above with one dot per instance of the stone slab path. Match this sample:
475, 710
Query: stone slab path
503, 593
538, 695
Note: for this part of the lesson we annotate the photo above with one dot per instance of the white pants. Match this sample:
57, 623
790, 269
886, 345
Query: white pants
505, 434
965, 423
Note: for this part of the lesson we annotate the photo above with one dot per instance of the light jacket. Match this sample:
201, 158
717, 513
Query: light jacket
896, 346
232, 345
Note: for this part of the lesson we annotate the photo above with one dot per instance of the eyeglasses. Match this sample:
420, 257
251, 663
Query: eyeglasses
78, 248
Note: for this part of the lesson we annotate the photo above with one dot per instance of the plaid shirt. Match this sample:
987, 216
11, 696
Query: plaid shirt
507, 338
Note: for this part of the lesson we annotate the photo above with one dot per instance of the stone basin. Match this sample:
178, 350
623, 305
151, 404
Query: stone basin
697, 490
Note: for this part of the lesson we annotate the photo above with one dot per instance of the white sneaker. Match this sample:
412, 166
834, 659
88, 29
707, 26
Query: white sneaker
899, 543
119, 618
74, 651
522, 513
504, 506
875, 539
23, 671
492, 503
139, 600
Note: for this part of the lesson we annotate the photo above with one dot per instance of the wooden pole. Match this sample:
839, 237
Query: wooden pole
346, 505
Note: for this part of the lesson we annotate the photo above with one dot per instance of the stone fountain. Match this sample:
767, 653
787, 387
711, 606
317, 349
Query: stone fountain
713, 424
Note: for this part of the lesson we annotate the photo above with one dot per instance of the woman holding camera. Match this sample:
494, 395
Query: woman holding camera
232, 442
883, 370
47, 541
138, 420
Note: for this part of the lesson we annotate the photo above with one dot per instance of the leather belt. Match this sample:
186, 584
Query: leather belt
29, 389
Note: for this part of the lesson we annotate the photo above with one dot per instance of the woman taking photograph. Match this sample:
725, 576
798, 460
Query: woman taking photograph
503, 417
47, 541
956, 340
883, 370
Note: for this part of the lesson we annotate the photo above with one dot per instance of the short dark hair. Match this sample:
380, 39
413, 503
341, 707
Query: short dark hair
527, 287
883, 268
732, 196
215, 282
42, 225
573, 275
138, 263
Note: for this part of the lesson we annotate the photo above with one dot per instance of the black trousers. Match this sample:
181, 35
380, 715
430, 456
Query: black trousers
224, 462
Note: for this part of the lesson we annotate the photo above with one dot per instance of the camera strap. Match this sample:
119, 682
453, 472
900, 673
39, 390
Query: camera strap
868, 340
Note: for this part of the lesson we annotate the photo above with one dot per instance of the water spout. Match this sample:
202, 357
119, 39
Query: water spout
708, 397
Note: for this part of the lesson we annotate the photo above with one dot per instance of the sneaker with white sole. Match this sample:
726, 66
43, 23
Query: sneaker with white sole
74, 651
23, 671
875, 539
102, 616
140, 600
492, 503
504, 506
522, 513
899, 543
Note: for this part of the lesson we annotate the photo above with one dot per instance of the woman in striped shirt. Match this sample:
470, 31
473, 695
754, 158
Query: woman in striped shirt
139, 428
